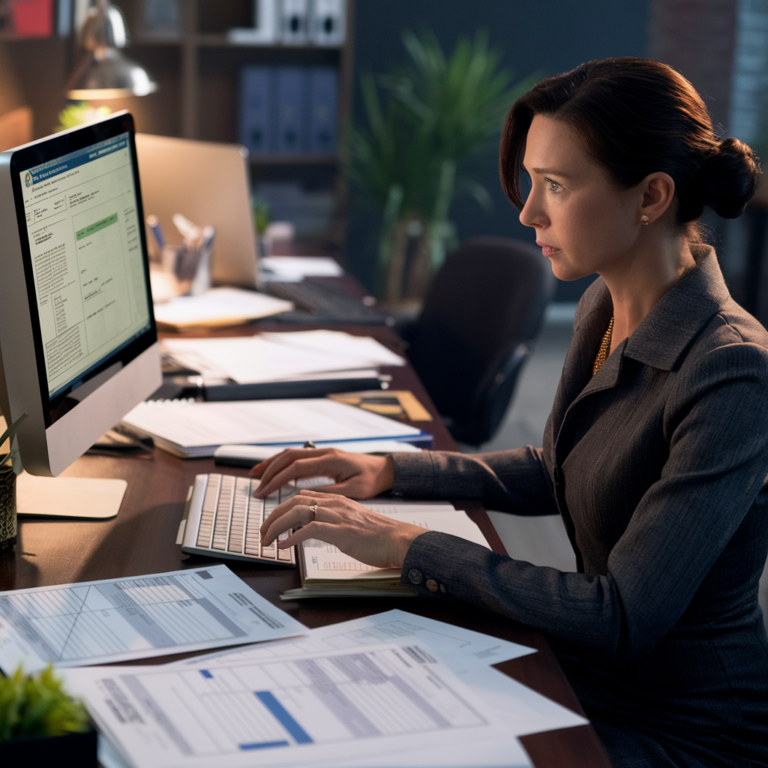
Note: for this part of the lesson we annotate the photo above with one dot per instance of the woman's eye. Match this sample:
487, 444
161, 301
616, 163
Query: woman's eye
553, 186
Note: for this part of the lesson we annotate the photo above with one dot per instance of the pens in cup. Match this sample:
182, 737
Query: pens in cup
154, 224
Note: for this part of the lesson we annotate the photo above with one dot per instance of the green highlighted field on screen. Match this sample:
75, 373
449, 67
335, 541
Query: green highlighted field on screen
97, 226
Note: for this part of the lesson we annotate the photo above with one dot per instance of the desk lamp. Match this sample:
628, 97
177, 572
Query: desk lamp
104, 72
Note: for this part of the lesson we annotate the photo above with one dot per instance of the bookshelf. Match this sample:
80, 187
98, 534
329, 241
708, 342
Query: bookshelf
198, 73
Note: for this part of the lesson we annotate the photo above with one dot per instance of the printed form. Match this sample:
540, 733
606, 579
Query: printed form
121, 619
321, 708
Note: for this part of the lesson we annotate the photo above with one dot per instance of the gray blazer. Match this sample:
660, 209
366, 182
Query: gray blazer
657, 465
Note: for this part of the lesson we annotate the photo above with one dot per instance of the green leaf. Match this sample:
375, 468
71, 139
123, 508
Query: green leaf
37, 705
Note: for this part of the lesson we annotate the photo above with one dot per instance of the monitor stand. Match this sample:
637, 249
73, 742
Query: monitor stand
83, 497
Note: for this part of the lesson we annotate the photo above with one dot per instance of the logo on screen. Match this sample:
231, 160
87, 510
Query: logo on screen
28, 179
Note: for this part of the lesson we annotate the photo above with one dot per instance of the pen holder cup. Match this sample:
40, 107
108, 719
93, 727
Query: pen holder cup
8, 523
190, 266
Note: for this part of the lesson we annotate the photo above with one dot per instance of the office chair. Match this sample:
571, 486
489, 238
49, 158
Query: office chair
480, 317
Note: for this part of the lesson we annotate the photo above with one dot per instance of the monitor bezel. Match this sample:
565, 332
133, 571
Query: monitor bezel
34, 155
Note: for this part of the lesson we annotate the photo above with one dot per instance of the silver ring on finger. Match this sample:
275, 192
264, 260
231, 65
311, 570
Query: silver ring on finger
313, 510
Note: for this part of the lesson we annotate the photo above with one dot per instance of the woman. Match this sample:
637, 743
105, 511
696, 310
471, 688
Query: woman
656, 450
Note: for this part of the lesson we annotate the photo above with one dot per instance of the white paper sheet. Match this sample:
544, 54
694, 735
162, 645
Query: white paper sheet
460, 649
323, 560
199, 428
360, 350
219, 306
280, 356
322, 708
292, 268
134, 618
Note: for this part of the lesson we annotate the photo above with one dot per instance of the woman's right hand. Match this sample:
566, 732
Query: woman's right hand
356, 475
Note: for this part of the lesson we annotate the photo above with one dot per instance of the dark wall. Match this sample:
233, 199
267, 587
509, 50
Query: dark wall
545, 36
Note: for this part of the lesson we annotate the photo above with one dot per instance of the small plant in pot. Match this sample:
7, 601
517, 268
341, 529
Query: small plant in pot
40, 722
8, 524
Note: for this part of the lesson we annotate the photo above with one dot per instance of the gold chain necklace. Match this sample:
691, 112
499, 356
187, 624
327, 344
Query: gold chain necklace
602, 353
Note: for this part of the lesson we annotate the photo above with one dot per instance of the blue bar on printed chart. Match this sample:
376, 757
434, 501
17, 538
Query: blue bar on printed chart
284, 717
264, 745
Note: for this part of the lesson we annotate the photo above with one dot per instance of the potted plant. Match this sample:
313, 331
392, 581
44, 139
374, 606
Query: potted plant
410, 158
8, 524
41, 724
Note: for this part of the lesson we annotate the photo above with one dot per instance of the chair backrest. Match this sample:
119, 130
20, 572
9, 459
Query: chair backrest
480, 317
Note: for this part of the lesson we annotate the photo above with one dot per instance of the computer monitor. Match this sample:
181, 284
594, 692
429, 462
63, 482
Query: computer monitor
78, 342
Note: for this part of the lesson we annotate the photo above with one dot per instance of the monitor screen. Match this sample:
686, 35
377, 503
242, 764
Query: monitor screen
88, 288
78, 343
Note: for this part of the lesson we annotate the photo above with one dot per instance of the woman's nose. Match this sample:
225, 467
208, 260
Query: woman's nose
531, 215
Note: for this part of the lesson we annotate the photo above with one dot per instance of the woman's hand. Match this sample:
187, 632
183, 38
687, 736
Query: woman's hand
355, 530
356, 475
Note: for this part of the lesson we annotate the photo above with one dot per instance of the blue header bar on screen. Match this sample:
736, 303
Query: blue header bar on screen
68, 162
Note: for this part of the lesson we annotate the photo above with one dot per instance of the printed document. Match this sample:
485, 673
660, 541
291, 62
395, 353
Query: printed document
280, 356
461, 649
196, 429
327, 571
135, 618
320, 708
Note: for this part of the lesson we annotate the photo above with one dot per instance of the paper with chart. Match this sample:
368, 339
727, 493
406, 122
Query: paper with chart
320, 708
460, 649
120, 619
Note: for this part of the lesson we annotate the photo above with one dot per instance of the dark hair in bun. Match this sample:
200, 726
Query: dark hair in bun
730, 177
638, 116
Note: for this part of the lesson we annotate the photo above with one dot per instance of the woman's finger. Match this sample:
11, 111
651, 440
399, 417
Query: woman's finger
286, 458
301, 467
297, 516
304, 498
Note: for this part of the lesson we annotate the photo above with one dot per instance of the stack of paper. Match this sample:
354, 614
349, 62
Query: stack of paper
282, 356
219, 306
392, 689
192, 429
327, 572
290, 269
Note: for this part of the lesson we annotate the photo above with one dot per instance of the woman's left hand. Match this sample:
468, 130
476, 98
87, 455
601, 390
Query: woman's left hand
365, 535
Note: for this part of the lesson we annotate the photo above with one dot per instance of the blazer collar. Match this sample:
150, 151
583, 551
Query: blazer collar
668, 329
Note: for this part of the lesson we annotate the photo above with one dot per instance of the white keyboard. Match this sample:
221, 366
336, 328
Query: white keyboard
223, 517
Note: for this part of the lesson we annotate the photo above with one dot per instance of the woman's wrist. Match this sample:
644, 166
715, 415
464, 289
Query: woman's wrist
386, 479
403, 540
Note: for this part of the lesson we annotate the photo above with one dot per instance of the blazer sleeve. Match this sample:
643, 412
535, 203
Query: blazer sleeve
716, 427
509, 481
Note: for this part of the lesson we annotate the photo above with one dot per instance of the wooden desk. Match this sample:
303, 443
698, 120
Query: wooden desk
140, 540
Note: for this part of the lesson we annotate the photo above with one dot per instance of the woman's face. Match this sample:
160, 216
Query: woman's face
584, 223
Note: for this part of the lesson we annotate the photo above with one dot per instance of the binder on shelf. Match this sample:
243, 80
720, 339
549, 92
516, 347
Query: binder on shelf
291, 110
257, 109
294, 22
323, 90
264, 30
327, 22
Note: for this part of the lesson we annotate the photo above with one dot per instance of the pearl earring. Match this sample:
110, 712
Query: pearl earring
644, 220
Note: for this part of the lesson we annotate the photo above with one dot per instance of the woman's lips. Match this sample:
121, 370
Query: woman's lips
547, 250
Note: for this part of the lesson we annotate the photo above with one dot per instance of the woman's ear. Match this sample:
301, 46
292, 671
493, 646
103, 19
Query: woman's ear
657, 193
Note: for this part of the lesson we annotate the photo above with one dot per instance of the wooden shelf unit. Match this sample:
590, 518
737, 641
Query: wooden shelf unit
198, 73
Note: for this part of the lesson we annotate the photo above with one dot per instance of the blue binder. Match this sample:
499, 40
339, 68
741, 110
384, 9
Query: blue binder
323, 88
292, 128
257, 109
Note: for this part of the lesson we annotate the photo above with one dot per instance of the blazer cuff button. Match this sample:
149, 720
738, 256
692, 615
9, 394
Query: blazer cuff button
431, 585
415, 576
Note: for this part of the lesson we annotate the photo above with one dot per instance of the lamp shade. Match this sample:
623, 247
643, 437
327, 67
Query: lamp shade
104, 72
